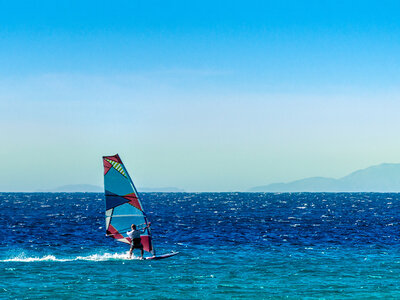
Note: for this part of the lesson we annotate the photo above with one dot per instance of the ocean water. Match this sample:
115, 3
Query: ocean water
232, 245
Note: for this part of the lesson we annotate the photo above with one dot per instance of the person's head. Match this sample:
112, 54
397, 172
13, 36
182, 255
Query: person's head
133, 227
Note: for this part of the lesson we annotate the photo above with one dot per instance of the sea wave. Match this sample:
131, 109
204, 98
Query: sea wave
93, 257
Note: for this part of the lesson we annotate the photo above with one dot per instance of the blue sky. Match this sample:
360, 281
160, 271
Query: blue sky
205, 96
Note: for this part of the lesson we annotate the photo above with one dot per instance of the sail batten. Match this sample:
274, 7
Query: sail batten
123, 206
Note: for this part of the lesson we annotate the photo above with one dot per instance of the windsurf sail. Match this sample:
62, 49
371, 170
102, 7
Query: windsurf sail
123, 206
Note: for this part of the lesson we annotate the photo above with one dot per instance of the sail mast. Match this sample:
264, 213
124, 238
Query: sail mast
153, 251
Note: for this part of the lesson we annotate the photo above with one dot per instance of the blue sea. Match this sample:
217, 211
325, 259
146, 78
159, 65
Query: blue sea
232, 246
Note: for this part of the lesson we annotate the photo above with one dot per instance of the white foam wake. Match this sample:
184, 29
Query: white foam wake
94, 257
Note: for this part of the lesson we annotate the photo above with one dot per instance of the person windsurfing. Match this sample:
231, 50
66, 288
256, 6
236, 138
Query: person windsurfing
136, 242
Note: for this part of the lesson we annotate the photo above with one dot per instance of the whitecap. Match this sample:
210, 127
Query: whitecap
23, 258
52, 258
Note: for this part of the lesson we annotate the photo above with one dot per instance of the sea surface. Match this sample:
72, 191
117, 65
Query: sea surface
232, 246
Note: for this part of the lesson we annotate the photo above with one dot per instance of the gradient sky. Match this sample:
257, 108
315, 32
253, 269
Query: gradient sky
200, 95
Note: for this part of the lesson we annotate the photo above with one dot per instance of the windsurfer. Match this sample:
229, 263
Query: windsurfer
136, 242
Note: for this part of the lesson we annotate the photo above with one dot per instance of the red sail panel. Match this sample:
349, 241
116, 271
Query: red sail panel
133, 200
115, 158
114, 232
107, 166
146, 242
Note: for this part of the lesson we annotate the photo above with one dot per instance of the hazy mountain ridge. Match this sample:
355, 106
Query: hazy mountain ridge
161, 190
380, 178
89, 188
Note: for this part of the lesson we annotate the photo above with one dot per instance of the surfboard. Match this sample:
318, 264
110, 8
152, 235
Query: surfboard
124, 208
162, 256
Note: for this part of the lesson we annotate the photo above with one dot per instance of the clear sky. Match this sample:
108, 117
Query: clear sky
200, 95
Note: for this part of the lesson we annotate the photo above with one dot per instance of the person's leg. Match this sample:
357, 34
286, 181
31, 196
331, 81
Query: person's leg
141, 252
130, 251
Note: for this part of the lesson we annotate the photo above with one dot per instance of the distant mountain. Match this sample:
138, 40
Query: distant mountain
88, 188
161, 190
380, 178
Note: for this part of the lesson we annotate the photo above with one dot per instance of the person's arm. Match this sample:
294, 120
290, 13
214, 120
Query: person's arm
144, 229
